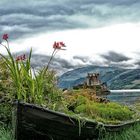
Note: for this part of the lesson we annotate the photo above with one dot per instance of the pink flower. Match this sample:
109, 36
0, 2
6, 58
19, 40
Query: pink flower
21, 57
58, 45
5, 36
62, 44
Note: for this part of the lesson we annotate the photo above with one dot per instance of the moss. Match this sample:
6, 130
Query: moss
81, 100
84, 104
110, 112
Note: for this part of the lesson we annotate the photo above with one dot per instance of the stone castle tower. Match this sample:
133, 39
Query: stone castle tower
93, 79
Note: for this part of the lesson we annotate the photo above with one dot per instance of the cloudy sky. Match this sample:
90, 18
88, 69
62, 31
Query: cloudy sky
96, 32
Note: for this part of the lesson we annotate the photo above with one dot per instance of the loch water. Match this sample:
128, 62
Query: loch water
124, 96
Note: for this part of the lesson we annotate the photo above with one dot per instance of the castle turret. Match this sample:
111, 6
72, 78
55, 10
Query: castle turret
93, 79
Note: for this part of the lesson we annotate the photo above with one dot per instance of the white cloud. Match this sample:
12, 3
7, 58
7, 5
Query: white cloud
122, 38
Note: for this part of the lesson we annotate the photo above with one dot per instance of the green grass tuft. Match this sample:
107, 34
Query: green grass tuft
132, 133
6, 133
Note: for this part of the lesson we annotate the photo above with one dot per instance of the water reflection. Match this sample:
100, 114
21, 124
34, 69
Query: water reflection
124, 97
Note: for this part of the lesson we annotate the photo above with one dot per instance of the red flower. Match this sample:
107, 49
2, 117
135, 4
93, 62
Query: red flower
62, 44
21, 57
58, 45
5, 36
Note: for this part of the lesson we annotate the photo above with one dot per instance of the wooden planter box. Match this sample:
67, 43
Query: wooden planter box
36, 123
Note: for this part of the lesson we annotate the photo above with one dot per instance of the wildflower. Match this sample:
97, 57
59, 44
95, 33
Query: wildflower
56, 46
5, 36
21, 57
59, 45
62, 44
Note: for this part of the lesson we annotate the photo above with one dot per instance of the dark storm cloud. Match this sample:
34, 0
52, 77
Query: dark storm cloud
113, 2
60, 65
137, 63
34, 16
39, 60
31, 16
115, 57
122, 65
84, 59
42, 60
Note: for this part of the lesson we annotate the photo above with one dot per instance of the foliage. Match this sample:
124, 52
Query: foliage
27, 85
5, 112
131, 133
6, 133
86, 104
137, 107
5, 82
5, 92
18, 81
102, 112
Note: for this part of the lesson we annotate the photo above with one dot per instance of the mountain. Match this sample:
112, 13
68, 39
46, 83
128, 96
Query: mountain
116, 78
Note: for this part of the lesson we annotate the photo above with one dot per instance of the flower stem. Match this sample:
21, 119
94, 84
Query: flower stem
53, 53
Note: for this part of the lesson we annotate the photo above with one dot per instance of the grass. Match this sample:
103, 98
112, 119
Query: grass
132, 133
6, 133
